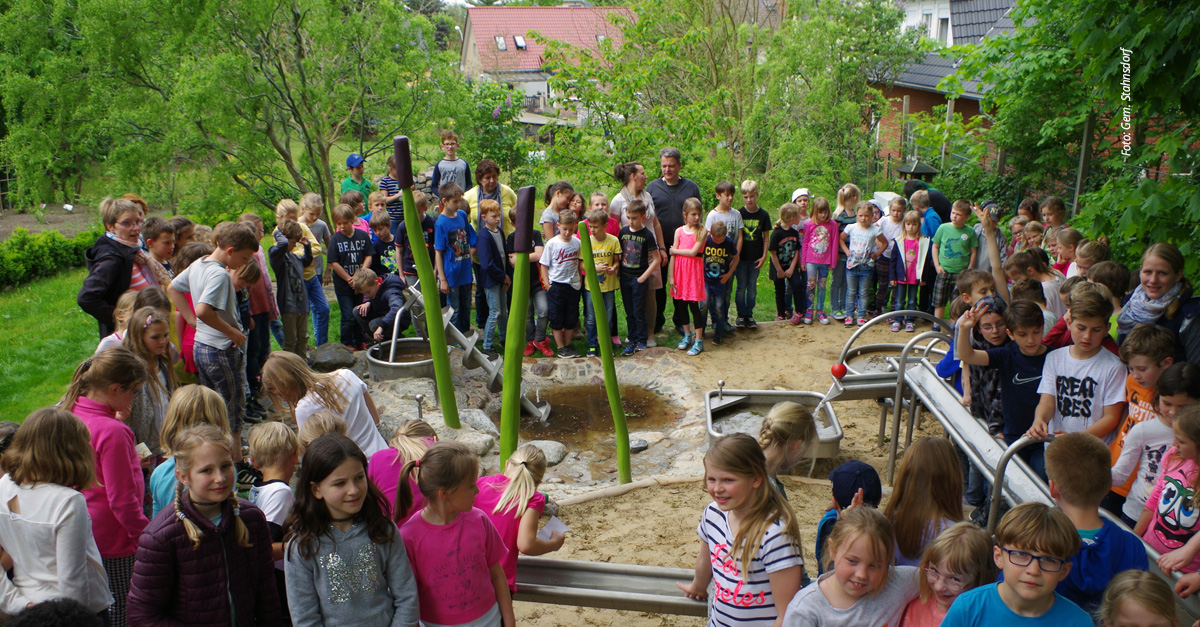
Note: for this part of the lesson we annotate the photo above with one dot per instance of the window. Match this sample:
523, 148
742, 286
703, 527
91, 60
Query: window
600, 38
500, 45
926, 21
944, 30
520, 41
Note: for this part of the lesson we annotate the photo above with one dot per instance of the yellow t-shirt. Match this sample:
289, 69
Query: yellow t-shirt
607, 252
310, 270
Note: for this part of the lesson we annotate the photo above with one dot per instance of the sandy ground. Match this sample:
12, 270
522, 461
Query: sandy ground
657, 526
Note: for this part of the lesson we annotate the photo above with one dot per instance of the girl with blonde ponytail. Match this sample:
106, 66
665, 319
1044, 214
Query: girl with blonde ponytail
207, 560
784, 436
514, 505
408, 442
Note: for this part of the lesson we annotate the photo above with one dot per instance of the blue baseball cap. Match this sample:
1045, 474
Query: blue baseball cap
354, 160
852, 475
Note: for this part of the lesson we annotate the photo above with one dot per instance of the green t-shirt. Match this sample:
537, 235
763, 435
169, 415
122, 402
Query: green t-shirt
365, 188
955, 244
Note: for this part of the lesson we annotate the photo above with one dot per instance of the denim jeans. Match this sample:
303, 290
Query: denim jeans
277, 331
904, 297
589, 316
350, 333
460, 299
837, 286
716, 305
858, 283
746, 296
816, 293
1034, 455
633, 297
319, 308
497, 317
539, 306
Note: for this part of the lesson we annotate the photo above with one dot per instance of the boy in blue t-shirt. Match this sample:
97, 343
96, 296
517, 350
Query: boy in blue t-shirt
1026, 595
349, 250
453, 245
1078, 465
1020, 364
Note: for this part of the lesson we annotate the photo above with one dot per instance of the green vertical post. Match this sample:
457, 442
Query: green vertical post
514, 340
434, 324
611, 386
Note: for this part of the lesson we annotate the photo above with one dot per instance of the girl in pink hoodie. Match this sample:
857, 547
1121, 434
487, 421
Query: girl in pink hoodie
102, 389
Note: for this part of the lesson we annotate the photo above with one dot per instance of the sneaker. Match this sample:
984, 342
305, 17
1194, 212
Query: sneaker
650, 343
640, 347
896, 327
808, 316
822, 318
751, 324
253, 404
787, 314
717, 340
740, 322
616, 340
729, 328
630, 348
909, 327
839, 315
697, 348
937, 327
567, 352
489, 353
544, 347
529, 348
796, 319
849, 321
861, 321
780, 318
685, 342
593, 351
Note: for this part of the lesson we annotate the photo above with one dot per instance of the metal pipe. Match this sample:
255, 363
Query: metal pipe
881, 318
421, 407
998, 476
902, 366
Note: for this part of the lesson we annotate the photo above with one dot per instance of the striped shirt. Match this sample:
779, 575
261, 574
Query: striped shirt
391, 187
748, 602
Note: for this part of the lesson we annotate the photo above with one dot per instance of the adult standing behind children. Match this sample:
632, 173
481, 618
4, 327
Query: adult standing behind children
112, 262
487, 172
668, 195
633, 187
219, 338
452, 168
1165, 298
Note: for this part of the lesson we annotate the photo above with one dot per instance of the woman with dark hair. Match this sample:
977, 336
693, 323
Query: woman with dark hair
632, 177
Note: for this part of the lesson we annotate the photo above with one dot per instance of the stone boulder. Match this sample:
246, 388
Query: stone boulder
479, 443
331, 356
555, 451
479, 421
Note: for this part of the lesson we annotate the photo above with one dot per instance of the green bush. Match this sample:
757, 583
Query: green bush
970, 181
25, 256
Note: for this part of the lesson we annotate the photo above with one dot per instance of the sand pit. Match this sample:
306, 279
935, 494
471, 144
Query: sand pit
656, 526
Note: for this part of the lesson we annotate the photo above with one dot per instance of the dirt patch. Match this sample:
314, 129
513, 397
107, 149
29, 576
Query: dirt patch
81, 218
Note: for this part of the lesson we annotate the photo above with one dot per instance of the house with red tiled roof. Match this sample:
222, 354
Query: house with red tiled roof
497, 44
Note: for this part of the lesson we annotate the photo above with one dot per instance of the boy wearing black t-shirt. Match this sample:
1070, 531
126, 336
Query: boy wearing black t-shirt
720, 261
756, 227
638, 264
349, 250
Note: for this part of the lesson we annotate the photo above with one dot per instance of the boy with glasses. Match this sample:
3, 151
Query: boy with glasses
452, 169
1034, 545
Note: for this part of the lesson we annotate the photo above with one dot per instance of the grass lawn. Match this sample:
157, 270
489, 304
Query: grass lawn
44, 336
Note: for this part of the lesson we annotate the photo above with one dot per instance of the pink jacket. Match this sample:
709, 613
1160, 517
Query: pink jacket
262, 297
115, 500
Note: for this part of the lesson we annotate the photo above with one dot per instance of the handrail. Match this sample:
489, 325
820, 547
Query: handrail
409, 302
880, 318
898, 402
998, 476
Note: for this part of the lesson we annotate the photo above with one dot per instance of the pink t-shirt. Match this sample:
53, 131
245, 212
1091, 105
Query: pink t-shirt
384, 469
451, 564
911, 249
491, 488
922, 614
1173, 518
820, 242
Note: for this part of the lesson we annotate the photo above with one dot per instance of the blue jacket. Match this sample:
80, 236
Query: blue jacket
387, 300
897, 270
493, 261
1112, 550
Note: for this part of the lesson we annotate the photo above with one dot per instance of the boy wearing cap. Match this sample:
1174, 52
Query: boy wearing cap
847, 481
802, 198
356, 181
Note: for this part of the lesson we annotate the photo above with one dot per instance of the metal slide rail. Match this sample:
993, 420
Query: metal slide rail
1012, 479
605, 586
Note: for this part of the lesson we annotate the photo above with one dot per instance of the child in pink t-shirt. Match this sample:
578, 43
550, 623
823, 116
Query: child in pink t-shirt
1169, 522
455, 551
408, 443
514, 505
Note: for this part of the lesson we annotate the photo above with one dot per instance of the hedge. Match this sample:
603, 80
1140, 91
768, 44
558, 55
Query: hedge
25, 256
